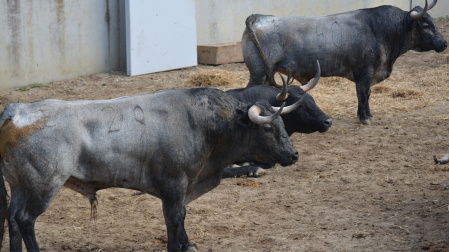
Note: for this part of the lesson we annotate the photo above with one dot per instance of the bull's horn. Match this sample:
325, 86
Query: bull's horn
283, 95
312, 84
255, 117
292, 107
418, 15
433, 4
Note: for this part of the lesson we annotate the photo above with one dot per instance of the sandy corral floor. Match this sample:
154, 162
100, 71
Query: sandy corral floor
355, 187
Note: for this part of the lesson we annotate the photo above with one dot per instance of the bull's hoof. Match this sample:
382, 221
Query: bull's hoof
259, 172
190, 248
365, 121
436, 159
443, 160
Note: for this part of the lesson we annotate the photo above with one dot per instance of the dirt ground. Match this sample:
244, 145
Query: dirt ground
355, 187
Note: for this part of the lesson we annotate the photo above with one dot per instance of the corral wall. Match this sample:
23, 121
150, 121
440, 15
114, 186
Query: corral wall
221, 21
49, 40
440, 10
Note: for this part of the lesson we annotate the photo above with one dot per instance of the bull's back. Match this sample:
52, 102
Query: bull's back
337, 41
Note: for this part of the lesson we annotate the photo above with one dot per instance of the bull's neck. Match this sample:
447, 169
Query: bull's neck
397, 35
231, 145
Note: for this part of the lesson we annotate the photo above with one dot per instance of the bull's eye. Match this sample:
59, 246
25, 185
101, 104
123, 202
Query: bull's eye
425, 26
268, 129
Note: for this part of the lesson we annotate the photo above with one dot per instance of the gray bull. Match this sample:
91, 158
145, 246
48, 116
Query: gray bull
360, 45
171, 144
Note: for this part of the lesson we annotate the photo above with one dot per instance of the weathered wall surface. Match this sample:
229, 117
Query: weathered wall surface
48, 40
43, 41
221, 21
440, 10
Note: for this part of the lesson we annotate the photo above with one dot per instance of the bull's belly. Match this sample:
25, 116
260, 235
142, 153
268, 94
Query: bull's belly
31, 170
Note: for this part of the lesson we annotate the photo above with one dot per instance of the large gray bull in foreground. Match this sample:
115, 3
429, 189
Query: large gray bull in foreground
172, 144
360, 45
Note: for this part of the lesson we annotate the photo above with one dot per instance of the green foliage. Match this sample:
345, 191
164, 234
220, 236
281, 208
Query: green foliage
446, 18
33, 85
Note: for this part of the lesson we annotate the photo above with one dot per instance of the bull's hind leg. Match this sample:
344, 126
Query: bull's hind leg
24, 209
15, 238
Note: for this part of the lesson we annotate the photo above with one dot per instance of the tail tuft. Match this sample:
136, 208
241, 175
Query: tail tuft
3, 207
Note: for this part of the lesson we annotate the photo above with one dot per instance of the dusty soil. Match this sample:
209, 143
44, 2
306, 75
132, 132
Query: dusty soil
355, 187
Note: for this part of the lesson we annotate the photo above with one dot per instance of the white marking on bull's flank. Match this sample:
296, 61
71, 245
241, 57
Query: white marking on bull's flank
22, 121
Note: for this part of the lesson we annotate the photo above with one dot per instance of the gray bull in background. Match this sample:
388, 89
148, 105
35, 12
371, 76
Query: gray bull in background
360, 45
171, 144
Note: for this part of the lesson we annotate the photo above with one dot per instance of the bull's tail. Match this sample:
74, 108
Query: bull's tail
3, 207
268, 72
4, 116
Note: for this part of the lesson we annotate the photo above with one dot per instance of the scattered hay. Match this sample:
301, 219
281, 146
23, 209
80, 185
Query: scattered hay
248, 182
397, 92
381, 89
406, 93
218, 77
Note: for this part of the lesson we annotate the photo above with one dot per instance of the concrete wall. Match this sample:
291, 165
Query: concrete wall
220, 21
46, 40
441, 9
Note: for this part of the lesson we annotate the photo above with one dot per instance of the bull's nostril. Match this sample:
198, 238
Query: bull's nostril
445, 45
295, 156
328, 122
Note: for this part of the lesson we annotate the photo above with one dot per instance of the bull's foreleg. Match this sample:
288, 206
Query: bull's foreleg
174, 214
363, 94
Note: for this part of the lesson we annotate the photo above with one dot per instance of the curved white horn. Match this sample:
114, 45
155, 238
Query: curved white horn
283, 95
292, 107
432, 4
312, 84
255, 117
418, 15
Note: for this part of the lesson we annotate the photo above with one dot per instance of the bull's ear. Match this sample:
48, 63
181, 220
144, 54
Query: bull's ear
241, 116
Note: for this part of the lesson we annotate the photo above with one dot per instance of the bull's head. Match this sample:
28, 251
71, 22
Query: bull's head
426, 34
270, 142
309, 118
269, 134
254, 111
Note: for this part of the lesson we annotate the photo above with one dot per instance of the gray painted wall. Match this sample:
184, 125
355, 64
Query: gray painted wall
49, 40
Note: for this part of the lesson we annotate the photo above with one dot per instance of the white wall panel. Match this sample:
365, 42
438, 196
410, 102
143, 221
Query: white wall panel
160, 35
